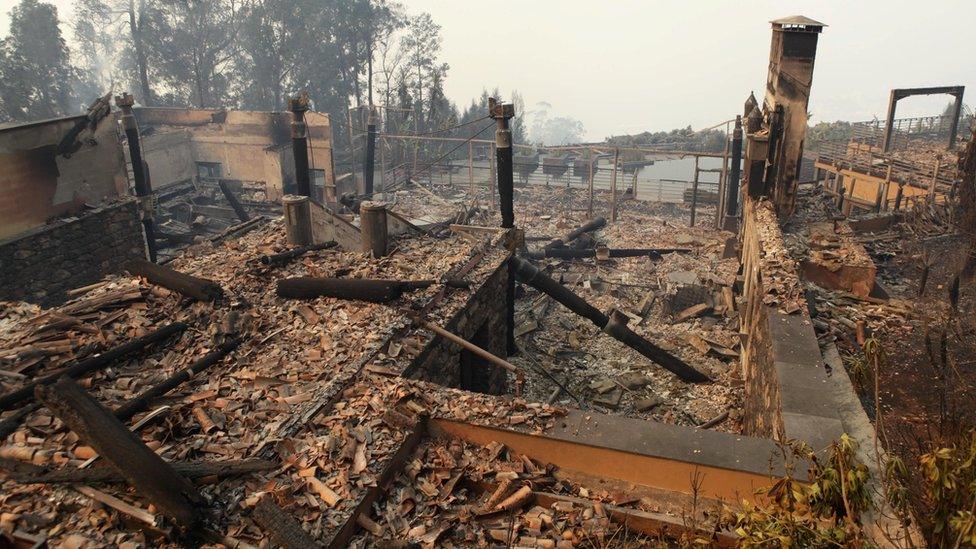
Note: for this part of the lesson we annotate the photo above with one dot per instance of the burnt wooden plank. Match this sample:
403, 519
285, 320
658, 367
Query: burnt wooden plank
284, 529
142, 468
26, 473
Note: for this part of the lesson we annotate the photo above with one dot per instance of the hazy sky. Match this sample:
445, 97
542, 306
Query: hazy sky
623, 66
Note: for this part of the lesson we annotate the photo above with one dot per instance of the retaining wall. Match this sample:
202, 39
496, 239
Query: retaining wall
41, 265
481, 321
788, 391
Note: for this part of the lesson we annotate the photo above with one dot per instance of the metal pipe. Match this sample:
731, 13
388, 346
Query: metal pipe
732, 186
299, 143
140, 172
370, 158
614, 326
572, 235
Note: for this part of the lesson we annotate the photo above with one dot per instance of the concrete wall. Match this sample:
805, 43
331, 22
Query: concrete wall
37, 183
481, 321
249, 145
788, 390
41, 265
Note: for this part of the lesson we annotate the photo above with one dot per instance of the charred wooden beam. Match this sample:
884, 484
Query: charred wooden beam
141, 402
529, 274
92, 364
568, 253
142, 468
234, 202
25, 473
276, 260
284, 529
201, 289
12, 423
572, 235
361, 289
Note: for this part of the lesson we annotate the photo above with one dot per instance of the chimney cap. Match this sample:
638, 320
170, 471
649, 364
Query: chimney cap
798, 23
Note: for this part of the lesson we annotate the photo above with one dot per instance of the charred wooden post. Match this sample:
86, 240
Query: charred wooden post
362, 289
92, 364
201, 289
299, 143
372, 225
142, 401
142, 468
232, 199
283, 258
506, 198
613, 326
588, 227
140, 173
298, 219
12, 422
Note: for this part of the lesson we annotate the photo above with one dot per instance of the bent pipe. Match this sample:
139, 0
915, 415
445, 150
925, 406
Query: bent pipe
587, 227
615, 326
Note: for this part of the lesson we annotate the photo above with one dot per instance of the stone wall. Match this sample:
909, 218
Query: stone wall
40, 266
788, 391
481, 321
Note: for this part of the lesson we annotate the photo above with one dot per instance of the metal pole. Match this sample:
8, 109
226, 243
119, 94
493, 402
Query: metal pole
723, 180
954, 123
506, 194
613, 187
369, 161
471, 169
382, 166
694, 194
140, 172
592, 162
890, 120
299, 143
732, 185
491, 174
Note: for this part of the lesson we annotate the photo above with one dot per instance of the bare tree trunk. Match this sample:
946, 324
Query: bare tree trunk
136, 32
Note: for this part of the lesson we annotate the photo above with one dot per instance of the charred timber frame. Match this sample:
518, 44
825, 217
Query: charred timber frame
614, 325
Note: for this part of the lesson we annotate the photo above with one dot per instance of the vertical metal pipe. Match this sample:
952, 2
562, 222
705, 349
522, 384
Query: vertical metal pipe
506, 196
732, 185
613, 187
694, 193
592, 163
369, 161
890, 120
140, 172
471, 169
299, 143
954, 123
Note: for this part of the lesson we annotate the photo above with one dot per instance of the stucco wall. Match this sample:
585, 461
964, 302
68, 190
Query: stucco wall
249, 145
37, 183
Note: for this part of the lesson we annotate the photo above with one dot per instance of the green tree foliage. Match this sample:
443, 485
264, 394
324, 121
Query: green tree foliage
827, 131
36, 77
94, 48
681, 138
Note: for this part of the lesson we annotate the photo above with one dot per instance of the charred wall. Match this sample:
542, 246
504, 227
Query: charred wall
482, 322
41, 265
49, 172
248, 145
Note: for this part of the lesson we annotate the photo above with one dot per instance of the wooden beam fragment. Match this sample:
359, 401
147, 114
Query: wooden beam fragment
201, 289
284, 529
89, 365
142, 468
26, 473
